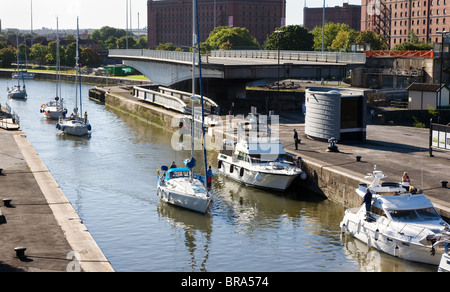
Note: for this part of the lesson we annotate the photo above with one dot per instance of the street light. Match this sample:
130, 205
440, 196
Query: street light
278, 32
440, 72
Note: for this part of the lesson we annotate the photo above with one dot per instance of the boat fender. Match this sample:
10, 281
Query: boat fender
241, 172
219, 164
359, 226
377, 234
89, 127
343, 227
258, 176
63, 128
231, 168
58, 126
396, 251
303, 176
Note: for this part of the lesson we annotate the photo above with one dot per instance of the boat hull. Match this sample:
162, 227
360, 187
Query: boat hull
17, 95
258, 179
74, 128
372, 234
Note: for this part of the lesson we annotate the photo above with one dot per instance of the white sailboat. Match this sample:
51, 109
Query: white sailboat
403, 224
55, 107
18, 91
181, 186
76, 125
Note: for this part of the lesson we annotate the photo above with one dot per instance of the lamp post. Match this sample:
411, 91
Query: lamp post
278, 32
440, 72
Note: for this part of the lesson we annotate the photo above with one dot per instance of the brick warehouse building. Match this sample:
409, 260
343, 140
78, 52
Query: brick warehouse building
348, 14
171, 20
394, 19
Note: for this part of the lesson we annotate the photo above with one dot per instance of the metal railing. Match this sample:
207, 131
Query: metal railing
333, 57
328, 57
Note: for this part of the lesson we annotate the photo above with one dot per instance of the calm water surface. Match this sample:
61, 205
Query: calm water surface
110, 179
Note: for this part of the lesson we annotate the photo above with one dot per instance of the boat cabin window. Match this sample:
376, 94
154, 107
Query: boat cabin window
403, 215
243, 156
418, 214
428, 214
175, 174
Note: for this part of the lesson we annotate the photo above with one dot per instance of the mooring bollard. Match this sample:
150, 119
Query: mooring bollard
7, 203
332, 147
358, 158
444, 184
1, 171
20, 252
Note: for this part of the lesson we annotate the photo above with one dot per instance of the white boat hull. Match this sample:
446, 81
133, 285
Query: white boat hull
444, 265
255, 178
173, 195
388, 240
17, 95
53, 113
74, 127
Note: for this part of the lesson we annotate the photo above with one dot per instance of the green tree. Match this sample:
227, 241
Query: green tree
331, 32
344, 40
376, 41
238, 36
413, 44
166, 47
122, 42
293, 37
71, 54
7, 56
39, 53
89, 58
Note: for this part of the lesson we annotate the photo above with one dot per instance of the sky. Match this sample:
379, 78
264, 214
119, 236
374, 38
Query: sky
98, 13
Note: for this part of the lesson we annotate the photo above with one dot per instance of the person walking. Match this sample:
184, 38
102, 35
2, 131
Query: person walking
296, 139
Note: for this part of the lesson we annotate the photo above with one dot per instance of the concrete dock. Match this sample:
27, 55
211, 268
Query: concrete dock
39, 217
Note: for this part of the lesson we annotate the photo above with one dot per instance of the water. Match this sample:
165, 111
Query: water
110, 179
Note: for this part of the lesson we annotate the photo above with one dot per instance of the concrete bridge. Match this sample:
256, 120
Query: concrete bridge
226, 73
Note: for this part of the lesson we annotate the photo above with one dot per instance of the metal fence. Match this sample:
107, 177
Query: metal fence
328, 57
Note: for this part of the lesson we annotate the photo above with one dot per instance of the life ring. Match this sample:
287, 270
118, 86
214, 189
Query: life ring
43, 105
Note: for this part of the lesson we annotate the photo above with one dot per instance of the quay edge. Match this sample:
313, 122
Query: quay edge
333, 181
42, 237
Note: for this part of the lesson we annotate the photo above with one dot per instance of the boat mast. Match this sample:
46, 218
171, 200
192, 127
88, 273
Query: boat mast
58, 64
78, 77
193, 98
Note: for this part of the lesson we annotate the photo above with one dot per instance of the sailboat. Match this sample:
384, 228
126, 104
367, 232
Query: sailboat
74, 124
181, 186
18, 91
55, 107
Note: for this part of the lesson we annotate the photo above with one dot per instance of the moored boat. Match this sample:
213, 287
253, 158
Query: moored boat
400, 223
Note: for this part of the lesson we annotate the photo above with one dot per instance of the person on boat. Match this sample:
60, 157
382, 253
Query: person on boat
406, 182
173, 165
209, 175
368, 201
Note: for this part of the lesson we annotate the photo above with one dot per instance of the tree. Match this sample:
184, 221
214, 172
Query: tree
376, 41
89, 58
413, 44
122, 42
7, 56
237, 36
344, 40
331, 32
294, 37
71, 54
166, 47
38, 53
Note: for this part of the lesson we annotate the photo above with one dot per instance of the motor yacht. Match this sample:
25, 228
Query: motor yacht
260, 163
402, 223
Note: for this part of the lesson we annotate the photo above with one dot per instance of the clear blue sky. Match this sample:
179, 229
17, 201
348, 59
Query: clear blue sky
98, 13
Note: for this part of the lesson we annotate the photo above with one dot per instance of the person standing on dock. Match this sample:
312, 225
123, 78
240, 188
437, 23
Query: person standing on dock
296, 139
406, 181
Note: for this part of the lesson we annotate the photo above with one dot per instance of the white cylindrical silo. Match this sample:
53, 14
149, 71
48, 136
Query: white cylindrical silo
323, 113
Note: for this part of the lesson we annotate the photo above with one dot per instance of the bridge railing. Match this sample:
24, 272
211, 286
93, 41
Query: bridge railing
333, 57
167, 55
